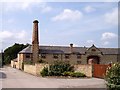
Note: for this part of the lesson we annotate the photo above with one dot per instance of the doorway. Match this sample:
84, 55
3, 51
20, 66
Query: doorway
93, 60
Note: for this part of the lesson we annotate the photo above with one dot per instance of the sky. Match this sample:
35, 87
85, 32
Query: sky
60, 23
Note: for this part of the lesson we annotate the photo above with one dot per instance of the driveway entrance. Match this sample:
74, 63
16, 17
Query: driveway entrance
99, 70
93, 60
18, 79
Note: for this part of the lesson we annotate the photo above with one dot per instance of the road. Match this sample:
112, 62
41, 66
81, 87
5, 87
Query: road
13, 78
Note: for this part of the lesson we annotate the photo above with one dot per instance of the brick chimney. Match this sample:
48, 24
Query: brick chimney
35, 42
71, 48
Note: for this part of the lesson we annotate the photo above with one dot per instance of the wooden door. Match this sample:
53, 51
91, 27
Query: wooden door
99, 70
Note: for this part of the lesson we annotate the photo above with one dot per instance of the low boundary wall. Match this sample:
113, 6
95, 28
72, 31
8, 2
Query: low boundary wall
86, 69
35, 69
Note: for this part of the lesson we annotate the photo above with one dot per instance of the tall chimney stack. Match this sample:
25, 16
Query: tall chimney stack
71, 48
35, 42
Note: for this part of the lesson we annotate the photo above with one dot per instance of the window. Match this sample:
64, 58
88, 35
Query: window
27, 55
43, 56
78, 62
78, 56
67, 56
55, 56
93, 49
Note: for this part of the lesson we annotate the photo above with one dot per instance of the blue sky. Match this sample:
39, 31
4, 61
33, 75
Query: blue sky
60, 23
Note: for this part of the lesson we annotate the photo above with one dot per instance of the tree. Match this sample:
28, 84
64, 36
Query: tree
11, 52
113, 77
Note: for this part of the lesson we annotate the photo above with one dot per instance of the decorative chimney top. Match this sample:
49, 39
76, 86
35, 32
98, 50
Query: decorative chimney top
71, 45
35, 21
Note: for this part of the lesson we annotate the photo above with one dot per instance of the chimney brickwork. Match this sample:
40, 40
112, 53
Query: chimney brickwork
71, 48
35, 42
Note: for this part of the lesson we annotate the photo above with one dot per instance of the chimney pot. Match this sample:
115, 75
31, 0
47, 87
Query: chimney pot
71, 45
35, 21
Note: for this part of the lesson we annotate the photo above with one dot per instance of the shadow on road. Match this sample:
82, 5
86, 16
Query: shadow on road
2, 75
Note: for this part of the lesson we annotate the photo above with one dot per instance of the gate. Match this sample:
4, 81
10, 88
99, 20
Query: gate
99, 70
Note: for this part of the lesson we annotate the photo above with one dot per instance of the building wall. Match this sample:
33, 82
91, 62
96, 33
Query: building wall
106, 59
21, 58
14, 64
61, 57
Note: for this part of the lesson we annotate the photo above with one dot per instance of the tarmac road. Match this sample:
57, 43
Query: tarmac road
14, 78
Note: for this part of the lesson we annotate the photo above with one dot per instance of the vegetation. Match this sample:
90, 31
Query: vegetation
41, 61
77, 74
44, 72
113, 77
11, 52
60, 69
67, 73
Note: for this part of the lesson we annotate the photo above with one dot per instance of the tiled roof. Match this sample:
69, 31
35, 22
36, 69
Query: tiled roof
109, 50
27, 50
63, 49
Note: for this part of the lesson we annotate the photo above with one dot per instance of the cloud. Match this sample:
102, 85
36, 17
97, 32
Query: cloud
7, 36
68, 14
112, 17
46, 9
22, 5
108, 36
89, 9
106, 43
27, 6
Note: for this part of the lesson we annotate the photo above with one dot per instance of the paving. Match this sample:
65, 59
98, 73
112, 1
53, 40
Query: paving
14, 78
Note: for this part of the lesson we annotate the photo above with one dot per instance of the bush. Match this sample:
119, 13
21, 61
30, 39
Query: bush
113, 77
44, 72
77, 74
67, 73
58, 68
